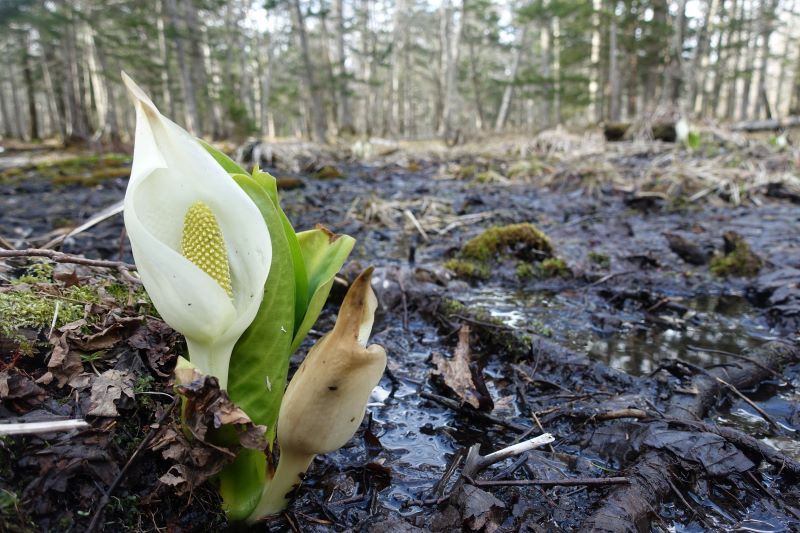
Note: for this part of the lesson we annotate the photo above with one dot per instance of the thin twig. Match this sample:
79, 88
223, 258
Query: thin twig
455, 406
572, 482
145, 441
766, 416
60, 257
609, 276
417, 225
6, 244
759, 364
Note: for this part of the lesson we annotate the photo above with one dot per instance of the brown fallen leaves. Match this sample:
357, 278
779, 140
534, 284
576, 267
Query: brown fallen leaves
212, 431
79, 338
109, 387
19, 392
461, 376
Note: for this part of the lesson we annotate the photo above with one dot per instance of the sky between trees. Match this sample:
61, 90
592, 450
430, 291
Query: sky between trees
390, 68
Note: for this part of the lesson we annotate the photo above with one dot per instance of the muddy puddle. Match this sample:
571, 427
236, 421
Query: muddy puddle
700, 329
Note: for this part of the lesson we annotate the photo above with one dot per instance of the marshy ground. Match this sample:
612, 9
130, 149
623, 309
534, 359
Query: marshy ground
637, 300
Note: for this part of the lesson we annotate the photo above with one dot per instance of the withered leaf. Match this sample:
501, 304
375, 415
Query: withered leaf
110, 334
203, 454
109, 387
456, 372
480, 510
156, 339
20, 391
717, 456
64, 363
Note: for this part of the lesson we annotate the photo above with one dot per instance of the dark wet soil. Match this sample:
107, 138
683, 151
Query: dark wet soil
630, 304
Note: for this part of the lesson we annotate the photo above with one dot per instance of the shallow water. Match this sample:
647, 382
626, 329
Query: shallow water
630, 339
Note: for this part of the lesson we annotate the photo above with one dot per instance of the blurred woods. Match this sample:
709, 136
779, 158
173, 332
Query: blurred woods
392, 68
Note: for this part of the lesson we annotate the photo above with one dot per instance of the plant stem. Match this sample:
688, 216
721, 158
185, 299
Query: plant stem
288, 477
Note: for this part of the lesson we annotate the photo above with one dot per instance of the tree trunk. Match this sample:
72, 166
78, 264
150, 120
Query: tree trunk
556, 33
476, 87
206, 119
674, 72
55, 96
345, 111
266, 118
398, 73
733, 71
615, 96
450, 104
333, 96
699, 69
315, 107
192, 115
594, 72
5, 116
508, 91
163, 51
78, 127
767, 15
366, 67
744, 110
110, 125
27, 74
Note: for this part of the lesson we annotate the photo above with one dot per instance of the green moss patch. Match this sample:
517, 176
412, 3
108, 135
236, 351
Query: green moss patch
524, 242
554, 267
328, 172
738, 259
600, 259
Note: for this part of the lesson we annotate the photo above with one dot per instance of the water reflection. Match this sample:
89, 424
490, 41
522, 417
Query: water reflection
633, 340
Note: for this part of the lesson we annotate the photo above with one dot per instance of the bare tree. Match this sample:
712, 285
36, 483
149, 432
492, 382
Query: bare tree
315, 103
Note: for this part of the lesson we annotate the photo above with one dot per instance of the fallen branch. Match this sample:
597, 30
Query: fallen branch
570, 482
31, 428
629, 508
60, 257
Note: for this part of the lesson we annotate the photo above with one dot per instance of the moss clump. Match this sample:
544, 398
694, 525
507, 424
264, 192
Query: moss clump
524, 241
490, 176
465, 172
465, 268
738, 260
286, 184
93, 178
328, 172
38, 272
554, 267
525, 271
22, 309
600, 259
519, 169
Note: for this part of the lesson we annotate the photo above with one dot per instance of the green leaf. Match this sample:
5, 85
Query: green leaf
226, 162
241, 483
693, 140
323, 255
260, 359
301, 279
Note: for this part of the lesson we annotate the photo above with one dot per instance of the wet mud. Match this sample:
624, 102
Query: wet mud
635, 326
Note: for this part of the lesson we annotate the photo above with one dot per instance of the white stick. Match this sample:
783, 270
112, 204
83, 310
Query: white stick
520, 447
42, 427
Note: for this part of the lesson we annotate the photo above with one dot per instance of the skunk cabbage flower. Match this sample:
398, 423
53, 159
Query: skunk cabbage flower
327, 397
200, 244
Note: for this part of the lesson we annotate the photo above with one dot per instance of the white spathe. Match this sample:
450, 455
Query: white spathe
170, 172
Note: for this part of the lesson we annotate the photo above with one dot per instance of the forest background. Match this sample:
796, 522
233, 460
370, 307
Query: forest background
404, 69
